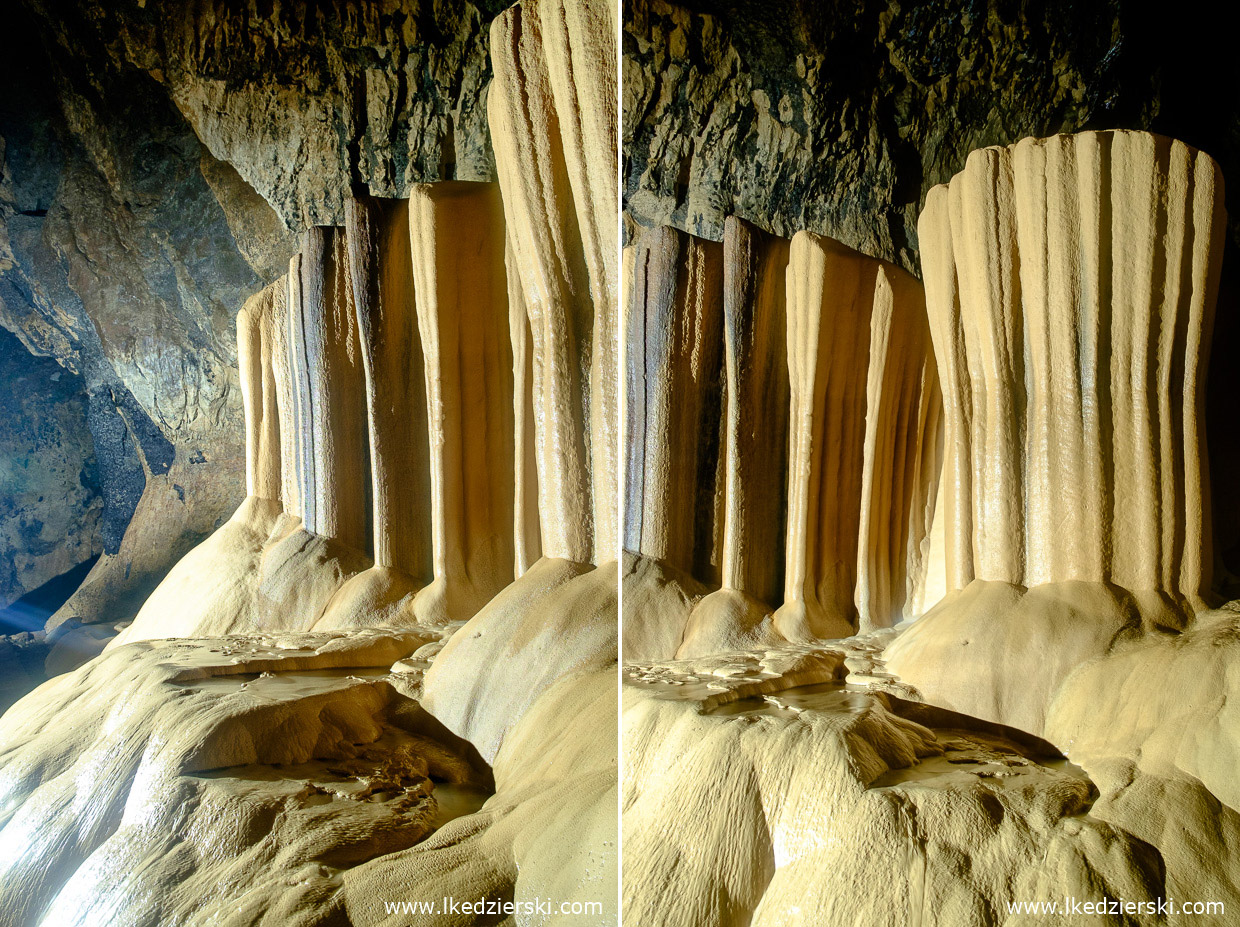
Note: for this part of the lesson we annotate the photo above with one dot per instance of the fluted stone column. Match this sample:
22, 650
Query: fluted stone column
331, 400
754, 447
675, 335
550, 257
256, 359
1070, 285
857, 357
381, 266
457, 234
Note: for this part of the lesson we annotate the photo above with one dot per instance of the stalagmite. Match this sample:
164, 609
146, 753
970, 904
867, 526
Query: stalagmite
783, 408
1070, 285
457, 234
282, 374
580, 54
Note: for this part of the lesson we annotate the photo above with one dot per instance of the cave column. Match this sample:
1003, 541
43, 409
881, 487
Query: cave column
674, 336
381, 268
457, 236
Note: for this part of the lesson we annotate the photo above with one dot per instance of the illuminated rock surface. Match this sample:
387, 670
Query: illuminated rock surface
1006, 493
390, 675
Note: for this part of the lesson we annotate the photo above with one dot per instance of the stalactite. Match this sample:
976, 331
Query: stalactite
381, 265
755, 444
527, 534
857, 353
255, 353
783, 407
550, 259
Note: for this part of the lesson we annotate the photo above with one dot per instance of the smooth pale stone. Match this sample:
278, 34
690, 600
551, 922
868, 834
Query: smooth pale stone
579, 45
457, 235
381, 265
900, 459
551, 264
302, 463
334, 395
754, 447
1070, 285
527, 535
674, 339
258, 393
857, 358
282, 371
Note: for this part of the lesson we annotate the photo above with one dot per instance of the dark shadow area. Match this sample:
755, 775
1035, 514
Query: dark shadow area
31, 611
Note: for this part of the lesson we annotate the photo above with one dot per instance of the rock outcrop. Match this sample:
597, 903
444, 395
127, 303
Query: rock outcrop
49, 483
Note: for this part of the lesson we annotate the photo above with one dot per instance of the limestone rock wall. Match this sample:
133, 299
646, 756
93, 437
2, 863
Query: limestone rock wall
48, 474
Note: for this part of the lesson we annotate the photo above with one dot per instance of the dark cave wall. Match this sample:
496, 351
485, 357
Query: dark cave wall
838, 117
157, 164
49, 481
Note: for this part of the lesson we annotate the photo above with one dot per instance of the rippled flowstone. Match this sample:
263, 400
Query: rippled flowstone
290, 777
844, 802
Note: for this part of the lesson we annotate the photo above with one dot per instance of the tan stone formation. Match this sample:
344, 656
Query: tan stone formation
806, 490
564, 304
421, 584
559, 617
381, 277
842, 806
381, 263
287, 778
863, 387
1070, 285
674, 333
256, 327
457, 234
527, 532
328, 351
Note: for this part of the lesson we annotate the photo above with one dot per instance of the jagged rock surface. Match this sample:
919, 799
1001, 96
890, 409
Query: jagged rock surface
839, 118
49, 484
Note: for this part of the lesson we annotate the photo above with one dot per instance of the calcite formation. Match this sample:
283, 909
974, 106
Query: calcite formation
1019, 453
391, 674
1070, 286
784, 407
